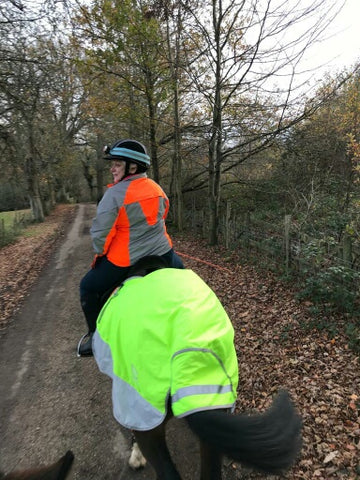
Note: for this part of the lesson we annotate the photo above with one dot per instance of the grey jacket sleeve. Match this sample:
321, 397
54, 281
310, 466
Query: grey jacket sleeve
106, 214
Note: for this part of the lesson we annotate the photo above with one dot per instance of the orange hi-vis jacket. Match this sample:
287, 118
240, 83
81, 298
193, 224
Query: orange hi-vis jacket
130, 221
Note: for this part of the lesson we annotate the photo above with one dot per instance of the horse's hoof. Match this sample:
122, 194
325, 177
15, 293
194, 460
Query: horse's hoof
137, 459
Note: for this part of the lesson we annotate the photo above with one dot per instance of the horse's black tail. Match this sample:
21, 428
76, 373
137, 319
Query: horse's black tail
269, 442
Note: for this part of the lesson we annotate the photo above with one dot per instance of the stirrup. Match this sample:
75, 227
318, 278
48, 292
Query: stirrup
80, 343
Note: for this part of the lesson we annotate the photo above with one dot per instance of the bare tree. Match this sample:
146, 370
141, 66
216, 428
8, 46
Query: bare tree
248, 75
172, 17
41, 99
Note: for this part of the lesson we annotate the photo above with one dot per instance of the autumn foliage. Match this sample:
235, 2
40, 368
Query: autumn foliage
277, 347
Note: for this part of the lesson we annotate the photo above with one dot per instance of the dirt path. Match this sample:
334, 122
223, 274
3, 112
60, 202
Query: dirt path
51, 400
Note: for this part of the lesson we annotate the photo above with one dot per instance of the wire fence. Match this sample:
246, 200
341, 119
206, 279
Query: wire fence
328, 267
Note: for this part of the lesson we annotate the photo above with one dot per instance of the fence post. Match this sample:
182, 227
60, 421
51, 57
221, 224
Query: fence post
227, 224
247, 230
287, 240
347, 249
2, 232
203, 223
193, 214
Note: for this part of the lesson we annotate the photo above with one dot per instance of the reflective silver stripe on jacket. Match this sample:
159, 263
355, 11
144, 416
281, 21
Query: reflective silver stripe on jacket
127, 403
205, 350
156, 242
144, 239
200, 390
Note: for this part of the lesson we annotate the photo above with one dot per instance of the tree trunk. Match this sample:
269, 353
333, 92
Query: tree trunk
215, 144
153, 146
214, 202
178, 182
100, 142
149, 92
34, 190
177, 161
215, 159
99, 180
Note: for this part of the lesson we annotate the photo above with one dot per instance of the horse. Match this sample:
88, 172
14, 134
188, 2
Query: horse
167, 343
56, 471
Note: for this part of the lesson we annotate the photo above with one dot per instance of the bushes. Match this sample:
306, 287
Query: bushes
327, 278
353, 335
13, 197
334, 288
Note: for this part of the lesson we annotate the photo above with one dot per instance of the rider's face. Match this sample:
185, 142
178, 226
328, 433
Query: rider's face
118, 170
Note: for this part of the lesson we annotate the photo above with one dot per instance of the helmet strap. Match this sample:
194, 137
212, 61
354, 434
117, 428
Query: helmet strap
127, 170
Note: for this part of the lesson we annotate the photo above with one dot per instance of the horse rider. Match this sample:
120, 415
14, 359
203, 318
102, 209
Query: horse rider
129, 224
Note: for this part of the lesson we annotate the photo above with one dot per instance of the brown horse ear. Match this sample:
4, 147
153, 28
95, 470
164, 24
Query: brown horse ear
56, 471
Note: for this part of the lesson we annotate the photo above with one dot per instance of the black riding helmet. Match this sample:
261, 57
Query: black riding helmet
130, 151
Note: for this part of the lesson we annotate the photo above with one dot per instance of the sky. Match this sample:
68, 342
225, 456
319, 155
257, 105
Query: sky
342, 49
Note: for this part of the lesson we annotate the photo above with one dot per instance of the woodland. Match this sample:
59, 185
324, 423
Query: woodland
235, 126
276, 342
254, 151
242, 137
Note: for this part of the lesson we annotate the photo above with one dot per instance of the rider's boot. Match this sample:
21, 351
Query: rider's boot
84, 348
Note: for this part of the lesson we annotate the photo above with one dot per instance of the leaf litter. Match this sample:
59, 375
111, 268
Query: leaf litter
274, 349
